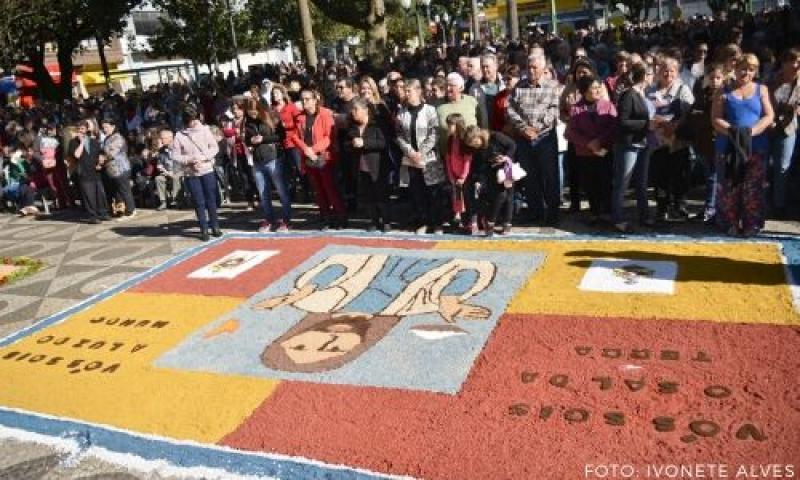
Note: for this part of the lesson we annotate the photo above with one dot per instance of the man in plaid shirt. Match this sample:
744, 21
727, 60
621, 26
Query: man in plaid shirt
532, 113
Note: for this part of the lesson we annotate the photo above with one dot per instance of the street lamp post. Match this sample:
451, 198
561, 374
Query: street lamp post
212, 39
233, 36
427, 4
412, 4
450, 36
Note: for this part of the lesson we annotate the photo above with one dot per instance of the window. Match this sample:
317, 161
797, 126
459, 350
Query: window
146, 23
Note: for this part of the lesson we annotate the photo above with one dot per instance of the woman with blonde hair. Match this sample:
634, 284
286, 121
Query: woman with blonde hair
670, 162
741, 115
378, 112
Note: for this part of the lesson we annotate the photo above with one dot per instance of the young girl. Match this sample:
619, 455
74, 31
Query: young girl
458, 162
494, 173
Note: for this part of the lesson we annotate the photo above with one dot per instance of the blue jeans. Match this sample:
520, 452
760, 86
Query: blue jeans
710, 172
542, 185
269, 175
782, 152
629, 162
204, 194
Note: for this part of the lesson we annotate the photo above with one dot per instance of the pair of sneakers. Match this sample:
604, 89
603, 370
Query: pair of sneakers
267, 227
490, 232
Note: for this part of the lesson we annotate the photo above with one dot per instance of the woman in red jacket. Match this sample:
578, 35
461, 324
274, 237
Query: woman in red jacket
288, 112
313, 137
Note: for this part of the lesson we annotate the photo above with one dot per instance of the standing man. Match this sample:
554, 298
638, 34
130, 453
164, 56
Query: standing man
491, 83
169, 177
532, 112
456, 102
85, 149
474, 90
346, 168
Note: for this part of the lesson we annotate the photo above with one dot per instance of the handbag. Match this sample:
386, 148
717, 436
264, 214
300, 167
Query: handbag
511, 169
316, 162
686, 129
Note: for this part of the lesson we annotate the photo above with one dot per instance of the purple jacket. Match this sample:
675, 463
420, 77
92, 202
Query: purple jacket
586, 124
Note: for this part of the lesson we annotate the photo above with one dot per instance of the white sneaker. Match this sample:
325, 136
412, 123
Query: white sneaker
128, 216
265, 227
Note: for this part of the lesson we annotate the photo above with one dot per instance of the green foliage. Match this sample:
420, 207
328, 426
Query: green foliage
200, 30
28, 25
403, 28
281, 19
718, 6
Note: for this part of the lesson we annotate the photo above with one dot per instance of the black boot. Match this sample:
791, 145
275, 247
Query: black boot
215, 231
204, 235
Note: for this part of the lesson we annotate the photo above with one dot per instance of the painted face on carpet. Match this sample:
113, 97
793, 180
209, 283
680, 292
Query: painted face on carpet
431, 359
366, 316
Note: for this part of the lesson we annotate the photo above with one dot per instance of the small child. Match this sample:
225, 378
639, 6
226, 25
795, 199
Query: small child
458, 162
17, 172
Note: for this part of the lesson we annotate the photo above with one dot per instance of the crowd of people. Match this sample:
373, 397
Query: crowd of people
472, 138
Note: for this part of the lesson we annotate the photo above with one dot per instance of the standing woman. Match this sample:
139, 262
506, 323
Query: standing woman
241, 160
670, 159
314, 138
194, 148
582, 68
741, 115
380, 116
366, 146
421, 169
288, 112
264, 133
786, 97
85, 150
114, 158
591, 129
630, 150
498, 121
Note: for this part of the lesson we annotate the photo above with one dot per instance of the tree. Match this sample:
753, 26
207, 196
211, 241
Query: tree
718, 6
281, 18
367, 15
200, 30
30, 25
